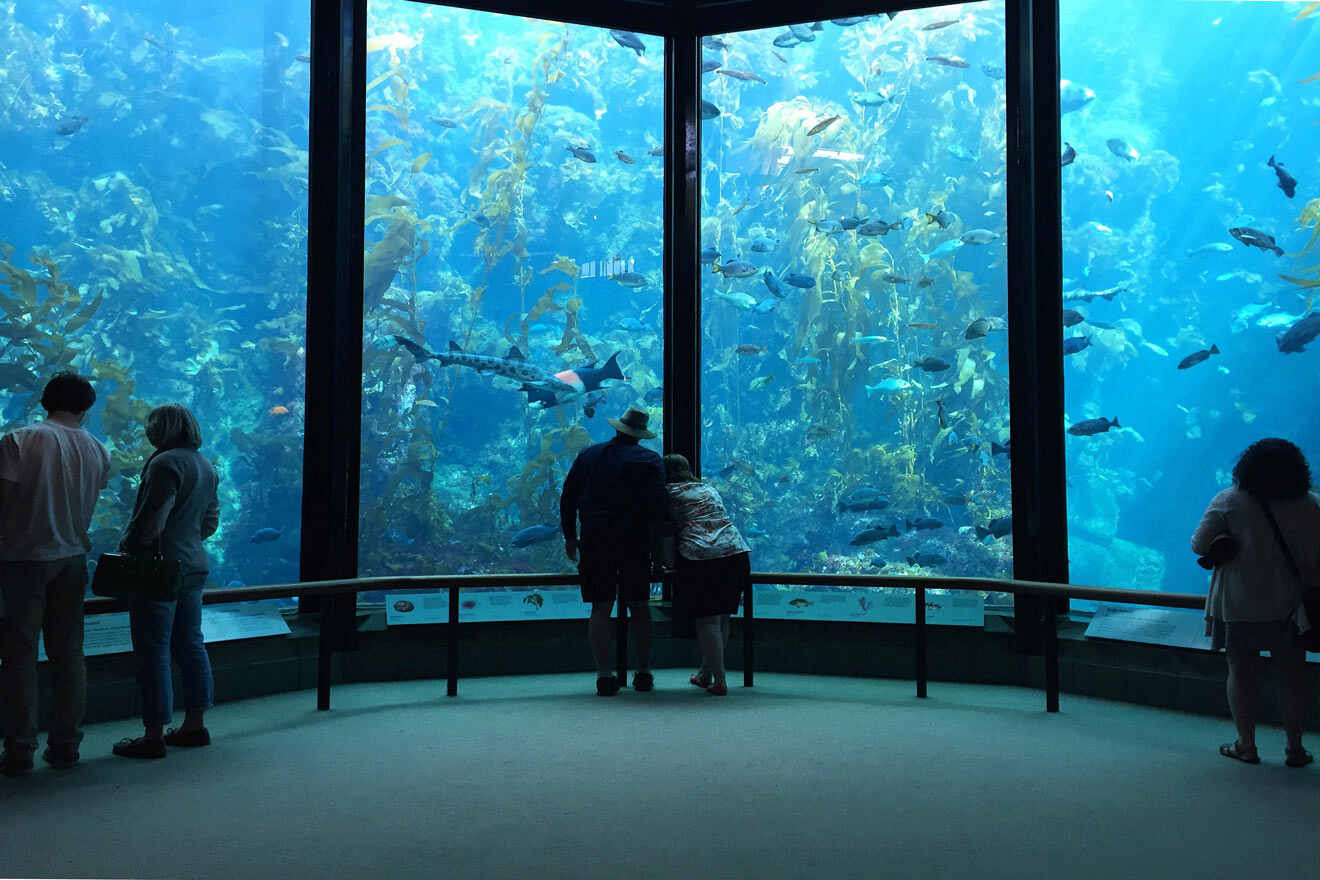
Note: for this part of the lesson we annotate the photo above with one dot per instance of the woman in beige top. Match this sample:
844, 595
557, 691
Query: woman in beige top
711, 571
1254, 595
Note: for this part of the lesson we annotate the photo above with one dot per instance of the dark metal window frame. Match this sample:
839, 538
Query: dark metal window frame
331, 461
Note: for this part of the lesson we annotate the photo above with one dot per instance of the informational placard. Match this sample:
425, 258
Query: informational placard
1176, 627
242, 620
111, 633
869, 605
479, 606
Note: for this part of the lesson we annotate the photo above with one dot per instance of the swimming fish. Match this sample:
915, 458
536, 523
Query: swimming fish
1073, 96
513, 366
71, 125
1122, 149
822, 125
1000, 527
266, 535
1287, 182
873, 534
534, 535
1197, 357
629, 40
583, 153
1296, 337
1091, 427
1255, 238
742, 75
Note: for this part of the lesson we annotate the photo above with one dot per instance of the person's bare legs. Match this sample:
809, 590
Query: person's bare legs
1244, 679
600, 632
1295, 682
639, 630
710, 638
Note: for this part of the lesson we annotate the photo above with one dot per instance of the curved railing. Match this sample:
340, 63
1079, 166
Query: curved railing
918, 584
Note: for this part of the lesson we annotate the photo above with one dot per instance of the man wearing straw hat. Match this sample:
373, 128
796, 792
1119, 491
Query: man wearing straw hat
617, 489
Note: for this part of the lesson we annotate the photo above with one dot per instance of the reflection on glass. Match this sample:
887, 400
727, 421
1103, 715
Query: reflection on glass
1187, 217
855, 385
512, 289
153, 173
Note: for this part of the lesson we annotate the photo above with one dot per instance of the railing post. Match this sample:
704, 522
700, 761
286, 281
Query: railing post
1051, 656
324, 654
451, 688
749, 654
622, 641
919, 609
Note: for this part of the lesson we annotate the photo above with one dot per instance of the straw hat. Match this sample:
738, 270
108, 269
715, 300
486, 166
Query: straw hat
633, 424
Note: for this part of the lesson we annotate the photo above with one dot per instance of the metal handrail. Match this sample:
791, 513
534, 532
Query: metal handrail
919, 585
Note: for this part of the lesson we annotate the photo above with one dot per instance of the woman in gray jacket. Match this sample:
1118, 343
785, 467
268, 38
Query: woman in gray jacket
1254, 596
177, 506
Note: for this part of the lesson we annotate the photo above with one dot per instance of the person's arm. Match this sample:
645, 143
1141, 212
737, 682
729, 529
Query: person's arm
11, 466
211, 519
568, 508
160, 485
1213, 523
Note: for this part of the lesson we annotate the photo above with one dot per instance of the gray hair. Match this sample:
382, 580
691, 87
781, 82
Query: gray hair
171, 426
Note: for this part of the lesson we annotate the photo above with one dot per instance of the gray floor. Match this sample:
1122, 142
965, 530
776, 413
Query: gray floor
802, 776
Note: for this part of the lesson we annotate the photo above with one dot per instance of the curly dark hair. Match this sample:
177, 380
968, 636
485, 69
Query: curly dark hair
68, 392
1273, 468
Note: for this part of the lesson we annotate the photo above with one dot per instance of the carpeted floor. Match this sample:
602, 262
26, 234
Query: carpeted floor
801, 776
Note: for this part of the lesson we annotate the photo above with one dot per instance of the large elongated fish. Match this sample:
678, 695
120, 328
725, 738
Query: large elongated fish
512, 366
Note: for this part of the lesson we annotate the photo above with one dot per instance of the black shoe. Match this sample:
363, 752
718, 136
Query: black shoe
16, 764
188, 739
643, 681
139, 748
606, 686
61, 756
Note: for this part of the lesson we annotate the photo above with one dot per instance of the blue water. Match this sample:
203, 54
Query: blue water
192, 164
1186, 100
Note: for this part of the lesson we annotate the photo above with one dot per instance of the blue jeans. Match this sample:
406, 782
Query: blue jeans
165, 629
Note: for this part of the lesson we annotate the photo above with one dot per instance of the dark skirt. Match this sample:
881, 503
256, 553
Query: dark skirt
1252, 637
706, 587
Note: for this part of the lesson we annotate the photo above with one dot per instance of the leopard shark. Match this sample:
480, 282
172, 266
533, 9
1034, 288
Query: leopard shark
512, 366
542, 386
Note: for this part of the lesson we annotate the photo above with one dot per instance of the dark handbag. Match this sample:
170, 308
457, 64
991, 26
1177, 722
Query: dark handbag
1310, 595
137, 576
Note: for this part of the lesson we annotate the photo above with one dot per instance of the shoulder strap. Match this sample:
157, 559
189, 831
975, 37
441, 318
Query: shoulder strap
1278, 533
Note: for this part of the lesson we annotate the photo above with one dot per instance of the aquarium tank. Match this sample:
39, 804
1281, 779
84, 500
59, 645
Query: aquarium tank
512, 292
854, 363
153, 176
1190, 211
855, 360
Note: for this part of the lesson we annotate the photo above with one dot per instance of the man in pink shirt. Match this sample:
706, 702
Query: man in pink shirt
51, 473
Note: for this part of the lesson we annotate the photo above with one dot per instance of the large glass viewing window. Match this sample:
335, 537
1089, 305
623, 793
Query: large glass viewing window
1189, 212
153, 173
855, 371
513, 298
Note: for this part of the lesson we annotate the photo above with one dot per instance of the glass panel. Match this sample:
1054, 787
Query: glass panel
1179, 313
153, 170
855, 385
513, 212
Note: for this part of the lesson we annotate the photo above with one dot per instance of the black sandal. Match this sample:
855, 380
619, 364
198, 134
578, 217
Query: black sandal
1237, 753
1299, 758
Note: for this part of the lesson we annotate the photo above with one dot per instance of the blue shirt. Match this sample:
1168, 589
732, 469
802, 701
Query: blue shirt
617, 489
